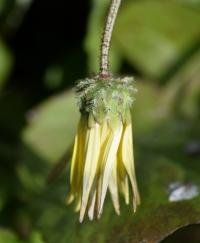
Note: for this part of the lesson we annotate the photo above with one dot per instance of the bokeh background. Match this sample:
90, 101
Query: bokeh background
45, 46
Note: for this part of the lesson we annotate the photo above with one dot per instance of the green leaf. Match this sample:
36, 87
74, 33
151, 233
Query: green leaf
7, 236
144, 108
181, 93
36, 237
52, 127
47, 140
155, 35
189, 81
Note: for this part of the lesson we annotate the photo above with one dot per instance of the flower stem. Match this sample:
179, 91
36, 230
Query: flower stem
106, 38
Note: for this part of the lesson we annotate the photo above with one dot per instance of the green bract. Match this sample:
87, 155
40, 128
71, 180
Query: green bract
109, 98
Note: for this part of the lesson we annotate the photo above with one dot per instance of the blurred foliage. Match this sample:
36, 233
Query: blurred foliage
6, 236
159, 42
40, 58
48, 123
5, 63
10, 237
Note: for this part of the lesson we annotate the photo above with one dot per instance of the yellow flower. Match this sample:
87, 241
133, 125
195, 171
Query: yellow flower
103, 151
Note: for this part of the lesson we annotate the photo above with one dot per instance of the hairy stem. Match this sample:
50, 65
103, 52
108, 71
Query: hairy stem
106, 38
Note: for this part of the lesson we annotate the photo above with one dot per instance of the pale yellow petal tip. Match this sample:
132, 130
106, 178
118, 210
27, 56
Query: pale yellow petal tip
77, 206
127, 202
136, 202
117, 211
116, 207
81, 219
69, 199
90, 216
99, 215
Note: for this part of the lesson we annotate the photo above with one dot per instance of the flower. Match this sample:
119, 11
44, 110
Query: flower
103, 150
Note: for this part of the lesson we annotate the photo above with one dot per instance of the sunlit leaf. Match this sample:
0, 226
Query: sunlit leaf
155, 35
52, 126
8, 237
182, 92
36, 237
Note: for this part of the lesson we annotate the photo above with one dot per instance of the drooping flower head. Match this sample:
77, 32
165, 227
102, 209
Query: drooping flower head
103, 151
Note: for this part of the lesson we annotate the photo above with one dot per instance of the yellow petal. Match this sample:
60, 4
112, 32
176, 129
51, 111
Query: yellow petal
76, 170
128, 161
70, 198
113, 187
107, 165
124, 188
90, 167
105, 131
74, 160
122, 176
73, 170
83, 135
92, 201
78, 203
